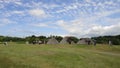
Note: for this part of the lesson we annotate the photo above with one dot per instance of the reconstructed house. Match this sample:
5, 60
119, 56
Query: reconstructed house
64, 40
52, 41
85, 41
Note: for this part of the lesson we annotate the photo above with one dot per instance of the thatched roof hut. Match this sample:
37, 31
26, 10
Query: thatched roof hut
64, 40
85, 41
52, 41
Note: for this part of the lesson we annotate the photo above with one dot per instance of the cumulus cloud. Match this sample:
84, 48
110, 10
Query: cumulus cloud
17, 12
39, 25
44, 25
37, 13
97, 25
105, 30
82, 29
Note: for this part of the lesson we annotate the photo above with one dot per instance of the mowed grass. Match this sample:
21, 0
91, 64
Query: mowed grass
59, 56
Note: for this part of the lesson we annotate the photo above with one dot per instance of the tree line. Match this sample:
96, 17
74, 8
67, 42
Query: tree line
100, 40
32, 38
104, 39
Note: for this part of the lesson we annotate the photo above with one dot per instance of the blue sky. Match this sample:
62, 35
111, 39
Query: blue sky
80, 18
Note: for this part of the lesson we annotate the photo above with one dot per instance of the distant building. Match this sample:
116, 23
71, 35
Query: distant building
85, 41
65, 40
52, 41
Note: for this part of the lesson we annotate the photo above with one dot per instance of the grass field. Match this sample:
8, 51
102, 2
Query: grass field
59, 56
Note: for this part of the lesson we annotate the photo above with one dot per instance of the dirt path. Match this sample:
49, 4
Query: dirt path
107, 53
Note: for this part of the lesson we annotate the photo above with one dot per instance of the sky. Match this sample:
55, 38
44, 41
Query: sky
80, 18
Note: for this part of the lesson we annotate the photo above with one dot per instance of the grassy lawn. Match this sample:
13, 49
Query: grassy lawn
59, 56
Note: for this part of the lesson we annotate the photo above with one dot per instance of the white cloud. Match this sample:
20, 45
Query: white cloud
88, 7
38, 13
34, 4
11, 13
17, 12
1, 6
81, 29
96, 25
87, 18
9, 1
6, 21
88, 0
18, 3
39, 25
105, 30
44, 24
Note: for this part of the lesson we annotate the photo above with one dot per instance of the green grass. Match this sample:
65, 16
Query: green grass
59, 56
